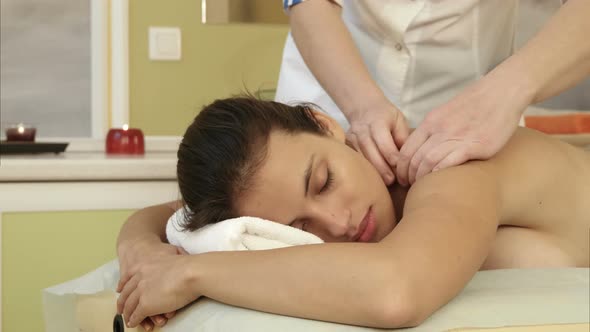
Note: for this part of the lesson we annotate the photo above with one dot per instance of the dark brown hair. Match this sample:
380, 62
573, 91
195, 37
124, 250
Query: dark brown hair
224, 147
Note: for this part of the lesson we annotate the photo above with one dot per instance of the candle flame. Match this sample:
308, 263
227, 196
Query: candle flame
21, 129
125, 126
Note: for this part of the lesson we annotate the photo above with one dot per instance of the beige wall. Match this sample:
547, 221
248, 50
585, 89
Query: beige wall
217, 61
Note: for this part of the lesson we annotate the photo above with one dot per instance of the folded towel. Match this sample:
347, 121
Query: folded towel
243, 233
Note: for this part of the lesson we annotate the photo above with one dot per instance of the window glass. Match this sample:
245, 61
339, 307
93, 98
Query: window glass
46, 66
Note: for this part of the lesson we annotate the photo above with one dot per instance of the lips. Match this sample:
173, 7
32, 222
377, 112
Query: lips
367, 227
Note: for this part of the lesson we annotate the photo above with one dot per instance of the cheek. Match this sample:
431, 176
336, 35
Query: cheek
358, 183
358, 178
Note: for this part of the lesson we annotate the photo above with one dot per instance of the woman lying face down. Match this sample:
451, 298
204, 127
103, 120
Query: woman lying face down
285, 164
393, 255
246, 157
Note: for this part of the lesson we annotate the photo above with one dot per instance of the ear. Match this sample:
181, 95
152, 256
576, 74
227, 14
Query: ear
333, 127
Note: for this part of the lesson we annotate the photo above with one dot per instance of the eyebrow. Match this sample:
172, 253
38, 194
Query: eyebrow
308, 173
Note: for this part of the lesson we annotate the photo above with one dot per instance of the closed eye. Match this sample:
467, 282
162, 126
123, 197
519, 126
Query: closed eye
329, 181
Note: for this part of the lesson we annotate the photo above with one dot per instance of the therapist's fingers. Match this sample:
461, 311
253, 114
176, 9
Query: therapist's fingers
456, 157
413, 143
370, 151
352, 141
386, 146
436, 153
170, 314
421, 158
401, 130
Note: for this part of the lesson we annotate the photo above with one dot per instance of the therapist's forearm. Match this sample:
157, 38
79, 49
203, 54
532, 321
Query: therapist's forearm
345, 283
330, 53
557, 57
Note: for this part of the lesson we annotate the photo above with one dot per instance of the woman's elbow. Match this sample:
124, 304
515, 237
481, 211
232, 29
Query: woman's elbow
399, 311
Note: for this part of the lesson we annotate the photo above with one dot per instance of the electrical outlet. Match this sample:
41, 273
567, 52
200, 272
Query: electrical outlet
164, 43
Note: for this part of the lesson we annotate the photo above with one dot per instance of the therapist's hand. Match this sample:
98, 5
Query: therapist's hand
137, 253
475, 124
377, 132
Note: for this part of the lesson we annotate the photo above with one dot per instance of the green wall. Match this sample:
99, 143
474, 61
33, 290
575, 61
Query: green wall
217, 61
44, 249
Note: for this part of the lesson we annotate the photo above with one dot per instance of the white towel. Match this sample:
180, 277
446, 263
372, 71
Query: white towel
243, 233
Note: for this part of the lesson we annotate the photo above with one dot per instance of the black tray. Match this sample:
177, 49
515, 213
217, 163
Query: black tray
31, 147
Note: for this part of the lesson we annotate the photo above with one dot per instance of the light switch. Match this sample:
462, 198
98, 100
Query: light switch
164, 43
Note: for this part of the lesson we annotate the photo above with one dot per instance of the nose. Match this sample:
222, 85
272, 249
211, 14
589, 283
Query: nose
333, 222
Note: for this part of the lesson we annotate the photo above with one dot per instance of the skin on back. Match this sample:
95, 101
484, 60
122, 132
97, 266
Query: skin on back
545, 216
486, 215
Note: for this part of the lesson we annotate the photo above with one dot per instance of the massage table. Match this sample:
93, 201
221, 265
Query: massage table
515, 300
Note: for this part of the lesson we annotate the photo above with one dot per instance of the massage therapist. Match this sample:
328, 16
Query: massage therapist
448, 68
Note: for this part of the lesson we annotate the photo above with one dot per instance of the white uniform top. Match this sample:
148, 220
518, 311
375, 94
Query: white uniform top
421, 53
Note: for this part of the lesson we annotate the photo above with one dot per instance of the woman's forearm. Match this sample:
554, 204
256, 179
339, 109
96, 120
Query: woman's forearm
330, 53
559, 55
349, 283
147, 223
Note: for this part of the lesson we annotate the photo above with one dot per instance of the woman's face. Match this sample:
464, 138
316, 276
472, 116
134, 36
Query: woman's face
322, 186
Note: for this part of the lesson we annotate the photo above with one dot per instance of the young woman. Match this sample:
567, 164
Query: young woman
392, 256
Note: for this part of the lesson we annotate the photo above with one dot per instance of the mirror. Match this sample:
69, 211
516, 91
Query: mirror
243, 11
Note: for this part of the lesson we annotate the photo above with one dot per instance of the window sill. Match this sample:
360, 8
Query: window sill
152, 143
85, 160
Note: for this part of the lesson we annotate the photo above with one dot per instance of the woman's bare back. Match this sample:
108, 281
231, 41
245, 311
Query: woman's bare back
545, 184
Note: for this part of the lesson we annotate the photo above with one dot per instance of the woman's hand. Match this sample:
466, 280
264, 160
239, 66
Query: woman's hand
160, 285
377, 132
132, 255
475, 124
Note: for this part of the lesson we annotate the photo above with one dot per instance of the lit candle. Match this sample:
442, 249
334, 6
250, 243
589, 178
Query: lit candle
21, 133
125, 141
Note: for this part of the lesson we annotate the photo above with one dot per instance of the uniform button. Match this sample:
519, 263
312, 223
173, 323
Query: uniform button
398, 46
